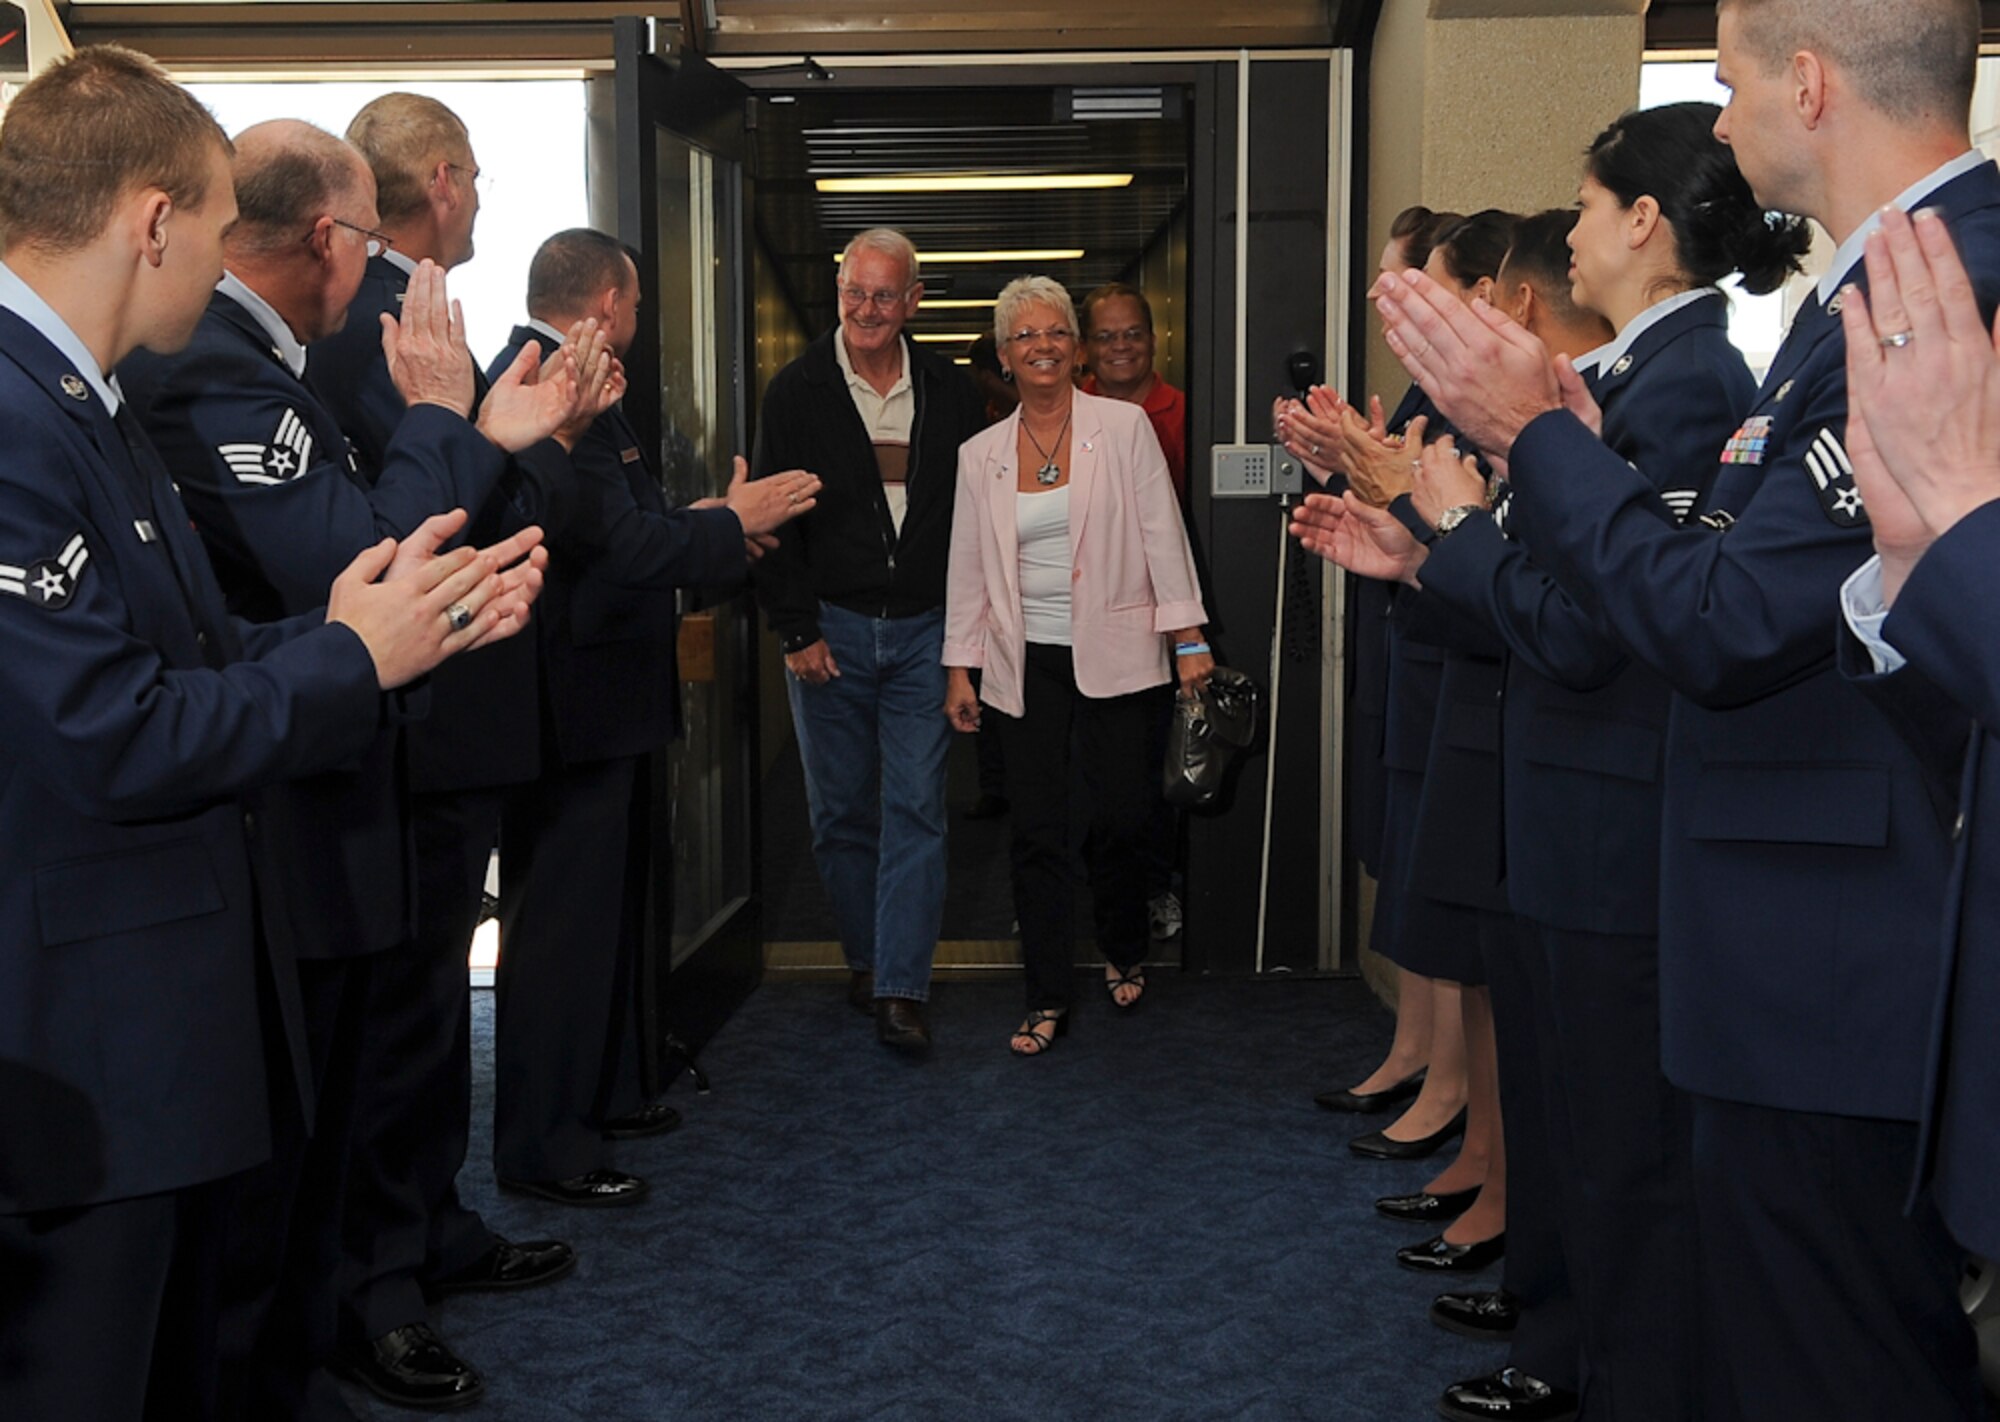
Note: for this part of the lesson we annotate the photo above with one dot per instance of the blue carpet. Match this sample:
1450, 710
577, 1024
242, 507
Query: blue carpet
1153, 1222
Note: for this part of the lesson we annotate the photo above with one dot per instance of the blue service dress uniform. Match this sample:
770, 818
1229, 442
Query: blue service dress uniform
270, 485
578, 861
481, 734
136, 718
1803, 861
1943, 623
1582, 738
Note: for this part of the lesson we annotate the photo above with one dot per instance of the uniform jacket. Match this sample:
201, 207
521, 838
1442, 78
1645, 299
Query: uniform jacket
281, 508
1584, 725
483, 728
135, 716
1943, 621
1803, 858
1132, 577
847, 550
606, 617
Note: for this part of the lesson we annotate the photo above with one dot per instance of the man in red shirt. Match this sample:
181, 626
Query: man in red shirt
1118, 341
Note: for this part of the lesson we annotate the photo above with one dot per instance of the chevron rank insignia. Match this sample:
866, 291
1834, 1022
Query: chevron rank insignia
1680, 501
288, 455
1833, 476
48, 582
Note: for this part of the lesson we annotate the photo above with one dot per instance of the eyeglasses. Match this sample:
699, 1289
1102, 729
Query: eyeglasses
1131, 335
477, 177
378, 242
1057, 334
852, 296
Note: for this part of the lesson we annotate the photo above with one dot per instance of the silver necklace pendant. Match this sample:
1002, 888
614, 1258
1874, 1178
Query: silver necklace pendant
1048, 474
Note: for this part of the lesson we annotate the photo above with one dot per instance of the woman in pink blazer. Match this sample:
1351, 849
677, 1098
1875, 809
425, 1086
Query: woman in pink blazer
1072, 587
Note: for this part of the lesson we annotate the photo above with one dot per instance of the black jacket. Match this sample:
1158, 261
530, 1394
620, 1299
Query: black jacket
847, 551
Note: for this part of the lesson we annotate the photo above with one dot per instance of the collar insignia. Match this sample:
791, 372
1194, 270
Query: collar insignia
74, 387
1624, 364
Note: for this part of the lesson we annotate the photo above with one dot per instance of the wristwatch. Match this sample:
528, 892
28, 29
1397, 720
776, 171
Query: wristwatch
1452, 517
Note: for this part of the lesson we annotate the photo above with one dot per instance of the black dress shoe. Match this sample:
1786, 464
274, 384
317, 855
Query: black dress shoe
508, 1266
861, 991
1426, 1208
1377, 1146
1509, 1394
655, 1118
594, 1190
1439, 1255
899, 1023
1492, 1314
411, 1367
1369, 1103
988, 807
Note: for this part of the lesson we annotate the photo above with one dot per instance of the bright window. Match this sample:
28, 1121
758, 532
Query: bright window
528, 136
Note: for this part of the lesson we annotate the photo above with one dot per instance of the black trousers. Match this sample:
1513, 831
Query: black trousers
1827, 1299
278, 1293
413, 1113
1538, 1272
573, 876
1623, 1138
1108, 738
109, 1312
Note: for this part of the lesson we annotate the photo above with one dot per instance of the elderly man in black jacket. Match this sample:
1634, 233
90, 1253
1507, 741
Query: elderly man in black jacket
855, 592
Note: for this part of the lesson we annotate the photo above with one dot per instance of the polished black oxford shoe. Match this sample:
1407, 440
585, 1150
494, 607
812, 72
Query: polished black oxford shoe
508, 1266
899, 1023
411, 1367
655, 1118
1369, 1103
594, 1190
1440, 1256
861, 991
1426, 1208
1509, 1395
1377, 1146
1491, 1314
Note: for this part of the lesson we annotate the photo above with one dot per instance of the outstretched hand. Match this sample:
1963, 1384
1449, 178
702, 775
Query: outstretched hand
1364, 540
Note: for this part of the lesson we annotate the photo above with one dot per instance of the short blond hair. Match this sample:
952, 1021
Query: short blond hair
404, 137
1027, 291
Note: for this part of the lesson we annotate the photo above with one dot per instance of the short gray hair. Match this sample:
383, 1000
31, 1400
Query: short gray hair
1030, 291
890, 243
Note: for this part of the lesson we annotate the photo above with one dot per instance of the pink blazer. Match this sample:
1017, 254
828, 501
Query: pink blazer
1131, 577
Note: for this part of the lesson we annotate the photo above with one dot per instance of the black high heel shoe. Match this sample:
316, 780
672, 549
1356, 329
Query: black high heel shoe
1368, 1103
1377, 1145
1132, 977
1057, 1023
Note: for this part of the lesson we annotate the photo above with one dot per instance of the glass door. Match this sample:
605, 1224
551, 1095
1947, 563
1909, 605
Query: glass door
674, 189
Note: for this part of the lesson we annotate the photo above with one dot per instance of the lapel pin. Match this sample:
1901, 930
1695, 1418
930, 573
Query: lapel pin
1833, 306
1783, 391
1624, 364
74, 387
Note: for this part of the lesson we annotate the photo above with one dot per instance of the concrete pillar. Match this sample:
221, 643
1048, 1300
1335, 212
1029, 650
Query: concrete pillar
1489, 103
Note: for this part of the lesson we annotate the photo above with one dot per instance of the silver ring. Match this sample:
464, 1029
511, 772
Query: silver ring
459, 616
1896, 341
1315, 451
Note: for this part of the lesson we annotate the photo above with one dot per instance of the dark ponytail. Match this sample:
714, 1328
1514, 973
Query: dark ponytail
1476, 246
1671, 154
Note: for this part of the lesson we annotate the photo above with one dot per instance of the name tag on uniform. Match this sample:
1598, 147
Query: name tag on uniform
630, 456
144, 528
1748, 444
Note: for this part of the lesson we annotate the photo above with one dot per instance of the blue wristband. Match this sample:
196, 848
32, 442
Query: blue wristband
1189, 649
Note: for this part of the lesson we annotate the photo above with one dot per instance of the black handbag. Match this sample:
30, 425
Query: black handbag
1209, 728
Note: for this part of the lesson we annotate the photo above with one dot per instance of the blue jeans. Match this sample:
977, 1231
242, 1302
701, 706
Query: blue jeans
873, 742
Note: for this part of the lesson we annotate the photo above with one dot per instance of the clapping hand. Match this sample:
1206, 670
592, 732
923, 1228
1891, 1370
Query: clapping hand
1923, 386
764, 505
426, 351
532, 399
1489, 375
1310, 429
600, 379
1446, 479
1364, 540
519, 562
1379, 466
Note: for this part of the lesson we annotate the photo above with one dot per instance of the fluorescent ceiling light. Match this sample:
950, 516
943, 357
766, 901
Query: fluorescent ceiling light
957, 303
1021, 254
947, 337
973, 182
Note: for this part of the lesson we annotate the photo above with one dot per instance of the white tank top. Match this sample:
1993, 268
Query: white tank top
1042, 521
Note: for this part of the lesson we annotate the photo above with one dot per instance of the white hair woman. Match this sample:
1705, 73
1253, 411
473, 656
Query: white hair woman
1072, 586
